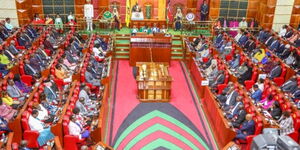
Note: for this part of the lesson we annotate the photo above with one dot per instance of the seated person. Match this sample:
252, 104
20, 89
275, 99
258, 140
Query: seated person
230, 98
3, 70
95, 69
71, 66
244, 73
8, 25
145, 29
290, 85
219, 79
85, 92
276, 71
240, 118
60, 73
90, 79
4, 59
233, 111
155, 29
7, 112
14, 91
134, 30
267, 102
275, 110
259, 55
84, 121
52, 109
86, 109
4, 125
98, 52
29, 70
222, 97
6, 99
256, 93
76, 129
163, 29
23, 145
275, 44
286, 123
235, 62
36, 63
296, 94
45, 134
21, 85
43, 114
50, 93
247, 128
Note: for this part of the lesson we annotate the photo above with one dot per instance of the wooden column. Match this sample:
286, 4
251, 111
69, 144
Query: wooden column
103, 6
295, 18
266, 10
24, 11
214, 9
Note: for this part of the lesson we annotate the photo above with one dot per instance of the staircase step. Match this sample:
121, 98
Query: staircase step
122, 42
176, 52
122, 45
177, 57
177, 48
122, 57
122, 52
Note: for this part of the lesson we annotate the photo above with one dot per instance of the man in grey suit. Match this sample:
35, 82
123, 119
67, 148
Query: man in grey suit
290, 85
14, 91
231, 98
223, 96
276, 71
220, 78
50, 93
12, 48
85, 110
90, 79
233, 111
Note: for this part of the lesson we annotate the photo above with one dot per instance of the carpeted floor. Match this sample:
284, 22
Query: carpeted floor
179, 124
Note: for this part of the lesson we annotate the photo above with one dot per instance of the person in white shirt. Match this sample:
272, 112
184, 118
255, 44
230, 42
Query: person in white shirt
76, 129
85, 94
71, 16
43, 113
8, 25
36, 125
243, 23
282, 31
89, 14
98, 52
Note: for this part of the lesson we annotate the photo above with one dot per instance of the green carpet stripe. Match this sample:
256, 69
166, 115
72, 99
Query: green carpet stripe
159, 127
161, 143
154, 114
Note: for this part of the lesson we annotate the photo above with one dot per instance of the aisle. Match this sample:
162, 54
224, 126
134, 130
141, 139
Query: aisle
175, 125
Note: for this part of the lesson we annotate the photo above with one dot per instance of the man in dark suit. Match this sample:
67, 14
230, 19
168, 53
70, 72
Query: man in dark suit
204, 11
289, 33
276, 71
246, 75
230, 98
12, 48
280, 48
243, 39
234, 110
237, 121
29, 70
223, 96
247, 128
274, 45
249, 45
290, 85
269, 40
296, 94
48, 45
220, 78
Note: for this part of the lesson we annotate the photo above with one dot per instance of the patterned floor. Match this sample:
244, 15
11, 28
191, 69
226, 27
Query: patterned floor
179, 124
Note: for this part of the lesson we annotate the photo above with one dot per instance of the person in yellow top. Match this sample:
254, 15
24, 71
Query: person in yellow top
259, 55
60, 73
4, 59
6, 99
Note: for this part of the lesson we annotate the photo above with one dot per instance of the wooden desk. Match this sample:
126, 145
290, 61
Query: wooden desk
154, 82
150, 48
148, 22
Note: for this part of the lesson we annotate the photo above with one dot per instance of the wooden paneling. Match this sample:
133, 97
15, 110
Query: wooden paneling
24, 11
214, 9
295, 18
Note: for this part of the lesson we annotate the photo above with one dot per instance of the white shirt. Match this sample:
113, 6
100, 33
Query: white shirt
243, 24
237, 37
35, 124
98, 52
74, 129
86, 97
42, 113
88, 11
70, 17
282, 32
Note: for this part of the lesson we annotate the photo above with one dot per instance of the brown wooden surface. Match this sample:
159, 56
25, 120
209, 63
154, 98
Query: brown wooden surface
147, 22
143, 54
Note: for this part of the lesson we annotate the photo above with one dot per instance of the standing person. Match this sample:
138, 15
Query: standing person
58, 23
71, 16
89, 14
116, 19
178, 19
204, 11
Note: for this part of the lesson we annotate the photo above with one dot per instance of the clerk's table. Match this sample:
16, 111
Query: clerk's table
153, 82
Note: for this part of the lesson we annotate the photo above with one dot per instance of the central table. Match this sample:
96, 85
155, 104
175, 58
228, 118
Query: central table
154, 82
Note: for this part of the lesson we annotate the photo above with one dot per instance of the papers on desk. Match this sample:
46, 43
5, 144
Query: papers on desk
204, 83
262, 76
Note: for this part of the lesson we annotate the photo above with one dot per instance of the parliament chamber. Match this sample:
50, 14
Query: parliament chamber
149, 74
